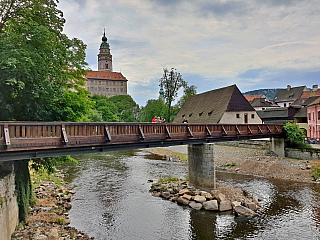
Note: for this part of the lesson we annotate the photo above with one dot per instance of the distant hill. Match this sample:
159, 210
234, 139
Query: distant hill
270, 93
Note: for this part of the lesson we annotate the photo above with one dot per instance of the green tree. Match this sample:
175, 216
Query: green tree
187, 92
38, 63
172, 81
295, 136
154, 107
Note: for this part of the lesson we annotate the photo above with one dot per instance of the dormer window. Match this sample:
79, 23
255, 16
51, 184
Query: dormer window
190, 115
200, 114
97, 75
209, 113
120, 77
109, 76
183, 115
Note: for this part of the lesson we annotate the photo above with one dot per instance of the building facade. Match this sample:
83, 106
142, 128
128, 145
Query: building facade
104, 81
313, 113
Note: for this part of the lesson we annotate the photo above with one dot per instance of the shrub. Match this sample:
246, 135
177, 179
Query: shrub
295, 136
315, 172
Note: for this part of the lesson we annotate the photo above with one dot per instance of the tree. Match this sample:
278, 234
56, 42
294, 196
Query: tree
295, 136
187, 92
154, 107
172, 81
38, 63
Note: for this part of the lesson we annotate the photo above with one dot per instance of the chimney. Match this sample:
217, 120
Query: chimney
288, 87
315, 87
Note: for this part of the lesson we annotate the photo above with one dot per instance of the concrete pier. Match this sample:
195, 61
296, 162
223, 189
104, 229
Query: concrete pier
277, 146
201, 165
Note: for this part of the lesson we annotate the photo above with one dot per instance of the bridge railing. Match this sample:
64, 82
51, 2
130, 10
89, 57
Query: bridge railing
33, 135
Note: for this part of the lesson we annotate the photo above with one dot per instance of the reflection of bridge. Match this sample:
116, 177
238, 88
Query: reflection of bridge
23, 140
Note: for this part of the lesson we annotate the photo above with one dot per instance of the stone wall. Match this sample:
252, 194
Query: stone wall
305, 154
201, 165
8, 201
257, 144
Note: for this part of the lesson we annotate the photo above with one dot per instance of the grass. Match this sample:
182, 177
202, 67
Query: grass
44, 176
229, 165
168, 179
315, 172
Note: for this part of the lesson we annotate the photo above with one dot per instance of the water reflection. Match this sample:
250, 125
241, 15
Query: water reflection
113, 202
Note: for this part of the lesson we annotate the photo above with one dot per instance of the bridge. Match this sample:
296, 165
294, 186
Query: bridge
25, 140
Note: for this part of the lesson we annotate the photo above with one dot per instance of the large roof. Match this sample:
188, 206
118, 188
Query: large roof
316, 101
262, 102
209, 107
273, 113
289, 94
251, 97
301, 113
102, 75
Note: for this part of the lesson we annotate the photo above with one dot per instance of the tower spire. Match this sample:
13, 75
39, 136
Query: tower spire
104, 56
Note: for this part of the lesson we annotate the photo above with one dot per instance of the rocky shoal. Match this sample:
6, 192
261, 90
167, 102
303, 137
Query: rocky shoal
48, 218
223, 198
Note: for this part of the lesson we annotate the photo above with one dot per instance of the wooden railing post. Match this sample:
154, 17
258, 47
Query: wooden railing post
64, 134
6, 136
107, 133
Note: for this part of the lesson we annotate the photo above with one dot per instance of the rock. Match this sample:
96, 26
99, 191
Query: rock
252, 206
53, 234
243, 211
183, 201
208, 196
67, 206
156, 194
150, 180
173, 199
203, 193
247, 194
195, 205
200, 199
211, 205
71, 192
225, 206
184, 191
237, 169
256, 202
308, 167
165, 195
188, 197
45, 208
236, 203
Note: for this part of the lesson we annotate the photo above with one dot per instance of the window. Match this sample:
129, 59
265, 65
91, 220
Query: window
190, 115
209, 113
120, 77
200, 114
99, 82
121, 90
252, 116
109, 76
284, 104
309, 116
319, 116
88, 89
312, 115
183, 115
237, 115
121, 83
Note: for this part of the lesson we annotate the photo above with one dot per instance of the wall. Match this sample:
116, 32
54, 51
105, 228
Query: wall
230, 117
8, 201
313, 122
305, 154
256, 144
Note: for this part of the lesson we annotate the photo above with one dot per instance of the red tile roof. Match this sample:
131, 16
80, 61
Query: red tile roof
251, 97
101, 75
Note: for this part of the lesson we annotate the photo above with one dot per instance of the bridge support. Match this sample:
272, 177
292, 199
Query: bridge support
201, 166
277, 146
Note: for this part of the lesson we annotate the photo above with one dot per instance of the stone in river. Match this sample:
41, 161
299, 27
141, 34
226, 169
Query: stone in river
209, 196
195, 205
243, 211
156, 194
184, 191
252, 206
188, 197
225, 206
236, 203
200, 199
165, 195
211, 205
183, 201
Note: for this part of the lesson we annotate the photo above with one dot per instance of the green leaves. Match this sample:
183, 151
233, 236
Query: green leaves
295, 136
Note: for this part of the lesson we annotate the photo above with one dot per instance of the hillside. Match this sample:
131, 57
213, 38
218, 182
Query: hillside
270, 93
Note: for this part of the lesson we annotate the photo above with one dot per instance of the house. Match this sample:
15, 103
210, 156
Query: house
223, 105
285, 97
313, 113
251, 97
315, 91
280, 115
263, 103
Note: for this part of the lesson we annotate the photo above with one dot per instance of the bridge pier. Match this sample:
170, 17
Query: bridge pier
277, 146
201, 165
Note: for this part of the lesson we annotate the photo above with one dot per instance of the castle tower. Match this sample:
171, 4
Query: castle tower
104, 56
161, 93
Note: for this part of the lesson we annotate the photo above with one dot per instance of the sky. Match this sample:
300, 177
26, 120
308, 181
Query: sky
212, 43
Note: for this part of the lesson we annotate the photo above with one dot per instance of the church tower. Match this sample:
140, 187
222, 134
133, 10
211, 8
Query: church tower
104, 56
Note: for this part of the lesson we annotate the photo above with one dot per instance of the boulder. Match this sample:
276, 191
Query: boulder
208, 196
256, 202
184, 191
173, 199
200, 199
203, 193
183, 201
236, 203
195, 205
165, 195
252, 206
211, 205
243, 211
188, 197
156, 194
225, 206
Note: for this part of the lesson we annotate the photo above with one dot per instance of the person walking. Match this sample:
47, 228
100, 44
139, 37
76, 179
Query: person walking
185, 120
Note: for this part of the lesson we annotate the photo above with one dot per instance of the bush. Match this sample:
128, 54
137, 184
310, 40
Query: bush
295, 136
315, 172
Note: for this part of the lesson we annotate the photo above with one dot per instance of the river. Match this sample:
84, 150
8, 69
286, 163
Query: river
112, 201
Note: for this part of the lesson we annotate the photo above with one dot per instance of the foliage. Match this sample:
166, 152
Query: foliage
168, 179
42, 175
48, 164
295, 136
154, 107
229, 165
315, 172
172, 81
37, 61
187, 92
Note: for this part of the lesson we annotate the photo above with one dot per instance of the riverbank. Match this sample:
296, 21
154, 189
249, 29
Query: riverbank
48, 218
249, 161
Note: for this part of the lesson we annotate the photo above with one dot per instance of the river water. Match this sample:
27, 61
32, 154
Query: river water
112, 202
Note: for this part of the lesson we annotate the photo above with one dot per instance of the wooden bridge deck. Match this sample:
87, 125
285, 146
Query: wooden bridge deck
23, 140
